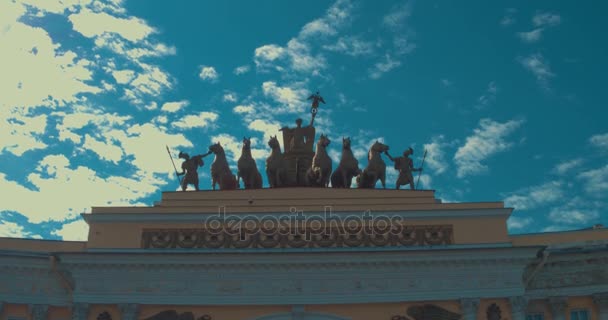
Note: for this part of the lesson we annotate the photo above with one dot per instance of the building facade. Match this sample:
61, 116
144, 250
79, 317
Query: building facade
306, 254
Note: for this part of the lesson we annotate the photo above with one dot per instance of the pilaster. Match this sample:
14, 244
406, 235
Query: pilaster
519, 305
558, 306
80, 311
129, 311
601, 301
38, 311
469, 308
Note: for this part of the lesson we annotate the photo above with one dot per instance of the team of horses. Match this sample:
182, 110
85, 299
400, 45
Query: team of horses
319, 174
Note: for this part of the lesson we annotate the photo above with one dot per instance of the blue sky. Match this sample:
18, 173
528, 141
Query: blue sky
507, 97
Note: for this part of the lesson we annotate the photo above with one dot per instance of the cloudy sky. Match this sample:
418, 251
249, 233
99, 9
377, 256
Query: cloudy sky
509, 98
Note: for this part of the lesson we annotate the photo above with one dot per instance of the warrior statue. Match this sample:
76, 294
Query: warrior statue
316, 98
405, 165
189, 169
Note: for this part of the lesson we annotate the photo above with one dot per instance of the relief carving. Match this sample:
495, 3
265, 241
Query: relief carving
331, 238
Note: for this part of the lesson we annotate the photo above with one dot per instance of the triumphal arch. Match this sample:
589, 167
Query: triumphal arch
309, 246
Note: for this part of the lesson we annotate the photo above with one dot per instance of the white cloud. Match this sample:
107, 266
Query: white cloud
291, 98
435, 155
337, 16
596, 181
383, 67
352, 46
266, 54
508, 19
573, 216
486, 141
91, 24
74, 231
152, 81
537, 64
535, 196
566, 166
244, 109
145, 143
21, 133
62, 191
208, 73
546, 19
600, 141
242, 69
105, 150
229, 97
302, 59
266, 127
174, 106
488, 97
12, 230
36, 71
123, 76
397, 17
517, 223
317, 27
531, 36
200, 120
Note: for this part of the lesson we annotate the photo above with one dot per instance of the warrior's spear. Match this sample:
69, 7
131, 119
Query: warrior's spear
174, 167
422, 165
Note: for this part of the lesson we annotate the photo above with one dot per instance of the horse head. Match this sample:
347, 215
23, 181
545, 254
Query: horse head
346, 143
379, 147
246, 143
273, 143
323, 141
216, 148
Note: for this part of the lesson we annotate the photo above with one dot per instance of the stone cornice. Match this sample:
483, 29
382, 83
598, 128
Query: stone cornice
495, 256
405, 236
196, 217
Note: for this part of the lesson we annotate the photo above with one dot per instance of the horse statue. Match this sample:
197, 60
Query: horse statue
220, 171
247, 168
376, 168
347, 169
276, 168
319, 172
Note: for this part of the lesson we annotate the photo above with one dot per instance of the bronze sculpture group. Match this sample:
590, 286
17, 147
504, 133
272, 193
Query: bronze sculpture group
299, 165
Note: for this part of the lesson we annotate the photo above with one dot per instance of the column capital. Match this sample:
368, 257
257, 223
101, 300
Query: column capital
601, 300
558, 305
129, 311
518, 303
38, 311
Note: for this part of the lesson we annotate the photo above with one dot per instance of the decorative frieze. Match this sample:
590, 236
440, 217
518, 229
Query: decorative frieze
202, 238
